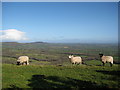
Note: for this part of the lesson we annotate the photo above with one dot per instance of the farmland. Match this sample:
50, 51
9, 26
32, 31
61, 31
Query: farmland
50, 67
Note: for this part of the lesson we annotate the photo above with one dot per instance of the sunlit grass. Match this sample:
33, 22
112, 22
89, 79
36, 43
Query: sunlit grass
21, 76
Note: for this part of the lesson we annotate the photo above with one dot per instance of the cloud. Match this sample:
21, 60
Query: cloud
12, 35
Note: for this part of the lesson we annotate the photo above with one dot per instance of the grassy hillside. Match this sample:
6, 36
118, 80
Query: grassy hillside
50, 67
45, 76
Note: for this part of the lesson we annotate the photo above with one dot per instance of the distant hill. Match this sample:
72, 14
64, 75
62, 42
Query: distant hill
39, 42
24, 42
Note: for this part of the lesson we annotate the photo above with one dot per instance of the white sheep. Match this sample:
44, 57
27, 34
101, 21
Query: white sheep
75, 59
106, 59
23, 60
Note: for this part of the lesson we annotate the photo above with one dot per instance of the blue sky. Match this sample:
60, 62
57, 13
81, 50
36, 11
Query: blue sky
74, 22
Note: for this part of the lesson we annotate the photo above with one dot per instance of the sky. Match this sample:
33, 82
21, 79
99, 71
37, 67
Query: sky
60, 22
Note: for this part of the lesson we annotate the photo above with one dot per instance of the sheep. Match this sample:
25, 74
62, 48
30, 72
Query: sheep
106, 59
75, 60
22, 60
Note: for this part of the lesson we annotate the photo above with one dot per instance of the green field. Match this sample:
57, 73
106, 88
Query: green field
50, 67
36, 76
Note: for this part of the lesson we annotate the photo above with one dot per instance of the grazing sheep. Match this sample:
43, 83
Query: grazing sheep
22, 60
106, 59
75, 60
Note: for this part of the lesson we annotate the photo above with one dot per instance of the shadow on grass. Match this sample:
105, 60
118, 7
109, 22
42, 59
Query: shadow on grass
115, 73
115, 76
42, 81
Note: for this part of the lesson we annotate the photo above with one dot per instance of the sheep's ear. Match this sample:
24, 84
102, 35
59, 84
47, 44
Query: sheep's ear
100, 53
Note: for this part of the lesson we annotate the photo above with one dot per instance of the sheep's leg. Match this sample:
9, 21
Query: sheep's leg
27, 63
78, 63
83, 63
103, 63
18, 63
111, 64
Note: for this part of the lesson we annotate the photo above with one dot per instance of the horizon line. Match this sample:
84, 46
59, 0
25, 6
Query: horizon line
62, 42
60, 1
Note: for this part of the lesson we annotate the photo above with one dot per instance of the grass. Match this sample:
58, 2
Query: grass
50, 67
52, 76
33, 62
93, 62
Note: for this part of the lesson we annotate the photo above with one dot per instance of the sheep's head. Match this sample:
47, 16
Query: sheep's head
100, 54
70, 56
18, 63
